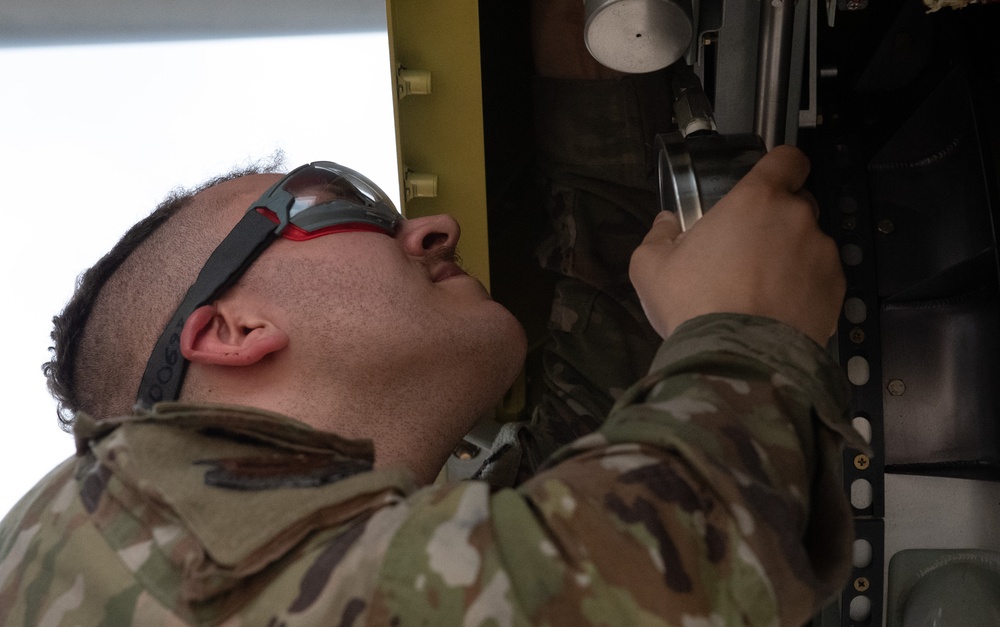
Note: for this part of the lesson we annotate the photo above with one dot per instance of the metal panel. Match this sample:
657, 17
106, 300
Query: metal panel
736, 71
441, 132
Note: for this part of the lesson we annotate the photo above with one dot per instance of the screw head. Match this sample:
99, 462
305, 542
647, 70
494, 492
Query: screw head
857, 335
849, 223
886, 226
861, 462
861, 584
896, 387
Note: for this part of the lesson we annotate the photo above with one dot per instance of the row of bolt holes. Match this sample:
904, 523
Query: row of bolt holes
860, 609
855, 310
858, 372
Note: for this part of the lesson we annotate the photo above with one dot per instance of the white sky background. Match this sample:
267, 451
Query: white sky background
93, 137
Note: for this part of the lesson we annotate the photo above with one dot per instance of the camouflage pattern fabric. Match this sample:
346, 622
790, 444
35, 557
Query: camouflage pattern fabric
596, 152
706, 494
937, 5
708, 497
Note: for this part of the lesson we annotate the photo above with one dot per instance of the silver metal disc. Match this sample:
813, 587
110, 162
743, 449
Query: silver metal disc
637, 36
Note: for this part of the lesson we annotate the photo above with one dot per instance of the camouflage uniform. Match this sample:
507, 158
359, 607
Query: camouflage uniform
595, 150
710, 496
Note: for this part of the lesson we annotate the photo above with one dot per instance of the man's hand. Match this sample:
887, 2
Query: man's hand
759, 251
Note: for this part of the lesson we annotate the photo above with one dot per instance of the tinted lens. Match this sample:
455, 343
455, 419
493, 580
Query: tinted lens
315, 187
324, 195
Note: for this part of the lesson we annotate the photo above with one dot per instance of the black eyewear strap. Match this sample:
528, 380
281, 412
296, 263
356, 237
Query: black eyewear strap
301, 211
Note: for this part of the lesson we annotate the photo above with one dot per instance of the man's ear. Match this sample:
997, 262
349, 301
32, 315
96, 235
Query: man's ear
214, 336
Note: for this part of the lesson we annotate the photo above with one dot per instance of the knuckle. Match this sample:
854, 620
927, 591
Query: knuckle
828, 248
760, 191
635, 264
802, 211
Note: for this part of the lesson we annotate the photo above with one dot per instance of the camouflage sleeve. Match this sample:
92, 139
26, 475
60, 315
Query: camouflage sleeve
598, 346
710, 496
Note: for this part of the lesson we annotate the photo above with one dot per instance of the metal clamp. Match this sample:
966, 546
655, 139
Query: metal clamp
695, 172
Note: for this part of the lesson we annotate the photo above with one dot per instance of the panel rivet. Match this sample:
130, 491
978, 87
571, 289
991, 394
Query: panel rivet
896, 387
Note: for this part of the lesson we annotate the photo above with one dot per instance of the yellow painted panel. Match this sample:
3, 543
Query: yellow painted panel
442, 132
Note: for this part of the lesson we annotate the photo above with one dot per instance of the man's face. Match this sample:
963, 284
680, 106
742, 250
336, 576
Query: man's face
390, 307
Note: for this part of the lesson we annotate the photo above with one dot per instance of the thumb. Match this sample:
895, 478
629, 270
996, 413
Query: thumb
665, 230
656, 247
647, 266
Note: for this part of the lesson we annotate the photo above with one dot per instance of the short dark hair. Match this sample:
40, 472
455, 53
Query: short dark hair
98, 337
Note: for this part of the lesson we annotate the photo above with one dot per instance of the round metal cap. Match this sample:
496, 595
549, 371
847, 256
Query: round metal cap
698, 170
637, 36
678, 180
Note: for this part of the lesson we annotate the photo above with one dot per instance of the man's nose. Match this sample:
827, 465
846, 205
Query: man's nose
422, 236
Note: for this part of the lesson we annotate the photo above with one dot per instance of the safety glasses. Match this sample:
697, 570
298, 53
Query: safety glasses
313, 200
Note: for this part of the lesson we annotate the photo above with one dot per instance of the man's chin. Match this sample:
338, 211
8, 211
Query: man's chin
517, 351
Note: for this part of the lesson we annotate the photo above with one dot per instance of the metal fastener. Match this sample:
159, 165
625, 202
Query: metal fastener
861, 462
896, 387
861, 584
857, 335
886, 226
849, 223
465, 451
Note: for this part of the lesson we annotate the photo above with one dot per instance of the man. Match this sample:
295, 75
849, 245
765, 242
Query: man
692, 503
709, 496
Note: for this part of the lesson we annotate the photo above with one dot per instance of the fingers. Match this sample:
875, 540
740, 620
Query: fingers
774, 189
759, 251
784, 167
807, 196
666, 228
